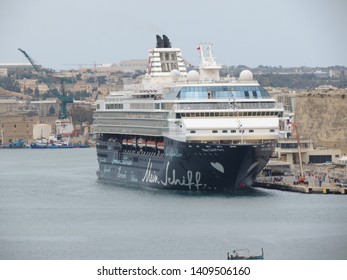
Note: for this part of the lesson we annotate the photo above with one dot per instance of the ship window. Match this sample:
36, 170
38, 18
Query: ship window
102, 155
272, 130
214, 131
114, 106
246, 94
192, 131
233, 131
255, 94
211, 95
104, 147
225, 131
251, 131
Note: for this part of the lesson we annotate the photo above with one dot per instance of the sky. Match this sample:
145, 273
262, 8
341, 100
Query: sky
63, 34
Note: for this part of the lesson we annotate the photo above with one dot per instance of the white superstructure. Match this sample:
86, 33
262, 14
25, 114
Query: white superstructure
197, 106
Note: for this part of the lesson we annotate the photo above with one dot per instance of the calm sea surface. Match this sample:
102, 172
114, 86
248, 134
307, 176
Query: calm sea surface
53, 207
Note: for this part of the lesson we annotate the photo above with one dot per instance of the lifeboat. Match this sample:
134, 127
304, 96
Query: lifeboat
131, 141
151, 144
141, 142
160, 145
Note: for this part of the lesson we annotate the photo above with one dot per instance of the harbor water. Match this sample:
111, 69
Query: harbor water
53, 207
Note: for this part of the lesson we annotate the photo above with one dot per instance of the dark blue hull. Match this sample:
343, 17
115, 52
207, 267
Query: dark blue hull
52, 146
179, 165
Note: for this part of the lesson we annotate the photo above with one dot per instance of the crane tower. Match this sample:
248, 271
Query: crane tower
63, 98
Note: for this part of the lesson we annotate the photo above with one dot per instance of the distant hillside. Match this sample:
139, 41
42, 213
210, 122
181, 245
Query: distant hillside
8, 93
322, 116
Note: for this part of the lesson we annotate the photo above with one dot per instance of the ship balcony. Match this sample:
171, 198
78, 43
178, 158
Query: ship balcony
232, 135
228, 106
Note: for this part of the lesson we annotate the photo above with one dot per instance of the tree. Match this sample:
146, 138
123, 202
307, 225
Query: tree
80, 114
9, 84
51, 111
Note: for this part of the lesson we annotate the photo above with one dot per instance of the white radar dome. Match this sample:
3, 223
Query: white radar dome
175, 74
246, 75
193, 75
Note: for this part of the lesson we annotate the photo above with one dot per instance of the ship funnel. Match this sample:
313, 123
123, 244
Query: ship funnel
167, 43
160, 42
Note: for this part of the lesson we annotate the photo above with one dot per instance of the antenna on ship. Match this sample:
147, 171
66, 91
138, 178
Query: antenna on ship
209, 69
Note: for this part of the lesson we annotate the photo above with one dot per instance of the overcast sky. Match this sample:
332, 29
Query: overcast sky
63, 33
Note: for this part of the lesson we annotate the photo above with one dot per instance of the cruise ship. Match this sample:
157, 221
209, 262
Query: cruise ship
191, 130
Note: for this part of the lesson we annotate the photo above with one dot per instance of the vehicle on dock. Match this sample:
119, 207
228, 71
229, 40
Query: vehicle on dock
301, 181
243, 254
341, 183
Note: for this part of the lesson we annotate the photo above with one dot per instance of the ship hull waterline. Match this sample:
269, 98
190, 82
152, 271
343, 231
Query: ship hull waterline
184, 166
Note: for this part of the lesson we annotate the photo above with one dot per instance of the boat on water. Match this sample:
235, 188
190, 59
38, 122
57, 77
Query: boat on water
57, 146
243, 254
60, 139
179, 129
56, 142
18, 144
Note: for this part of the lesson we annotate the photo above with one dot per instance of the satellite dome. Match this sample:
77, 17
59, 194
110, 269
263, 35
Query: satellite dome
193, 75
175, 74
246, 75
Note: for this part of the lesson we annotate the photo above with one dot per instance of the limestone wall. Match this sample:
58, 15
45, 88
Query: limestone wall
322, 116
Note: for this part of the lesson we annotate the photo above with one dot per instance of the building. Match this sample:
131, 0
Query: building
134, 64
16, 66
287, 151
15, 127
3, 72
45, 107
10, 105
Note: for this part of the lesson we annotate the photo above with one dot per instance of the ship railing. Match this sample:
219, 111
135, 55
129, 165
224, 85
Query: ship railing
228, 106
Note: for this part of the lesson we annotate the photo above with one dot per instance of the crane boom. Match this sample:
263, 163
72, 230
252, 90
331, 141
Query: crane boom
63, 98
299, 148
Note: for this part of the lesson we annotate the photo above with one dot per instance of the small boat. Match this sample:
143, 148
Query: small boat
151, 144
141, 143
15, 145
58, 146
239, 255
160, 145
54, 143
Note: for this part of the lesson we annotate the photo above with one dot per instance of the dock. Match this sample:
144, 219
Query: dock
285, 185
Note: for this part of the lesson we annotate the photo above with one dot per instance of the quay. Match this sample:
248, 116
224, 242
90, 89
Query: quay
285, 185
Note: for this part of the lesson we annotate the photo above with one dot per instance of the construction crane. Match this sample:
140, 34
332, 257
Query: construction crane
63, 98
302, 179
